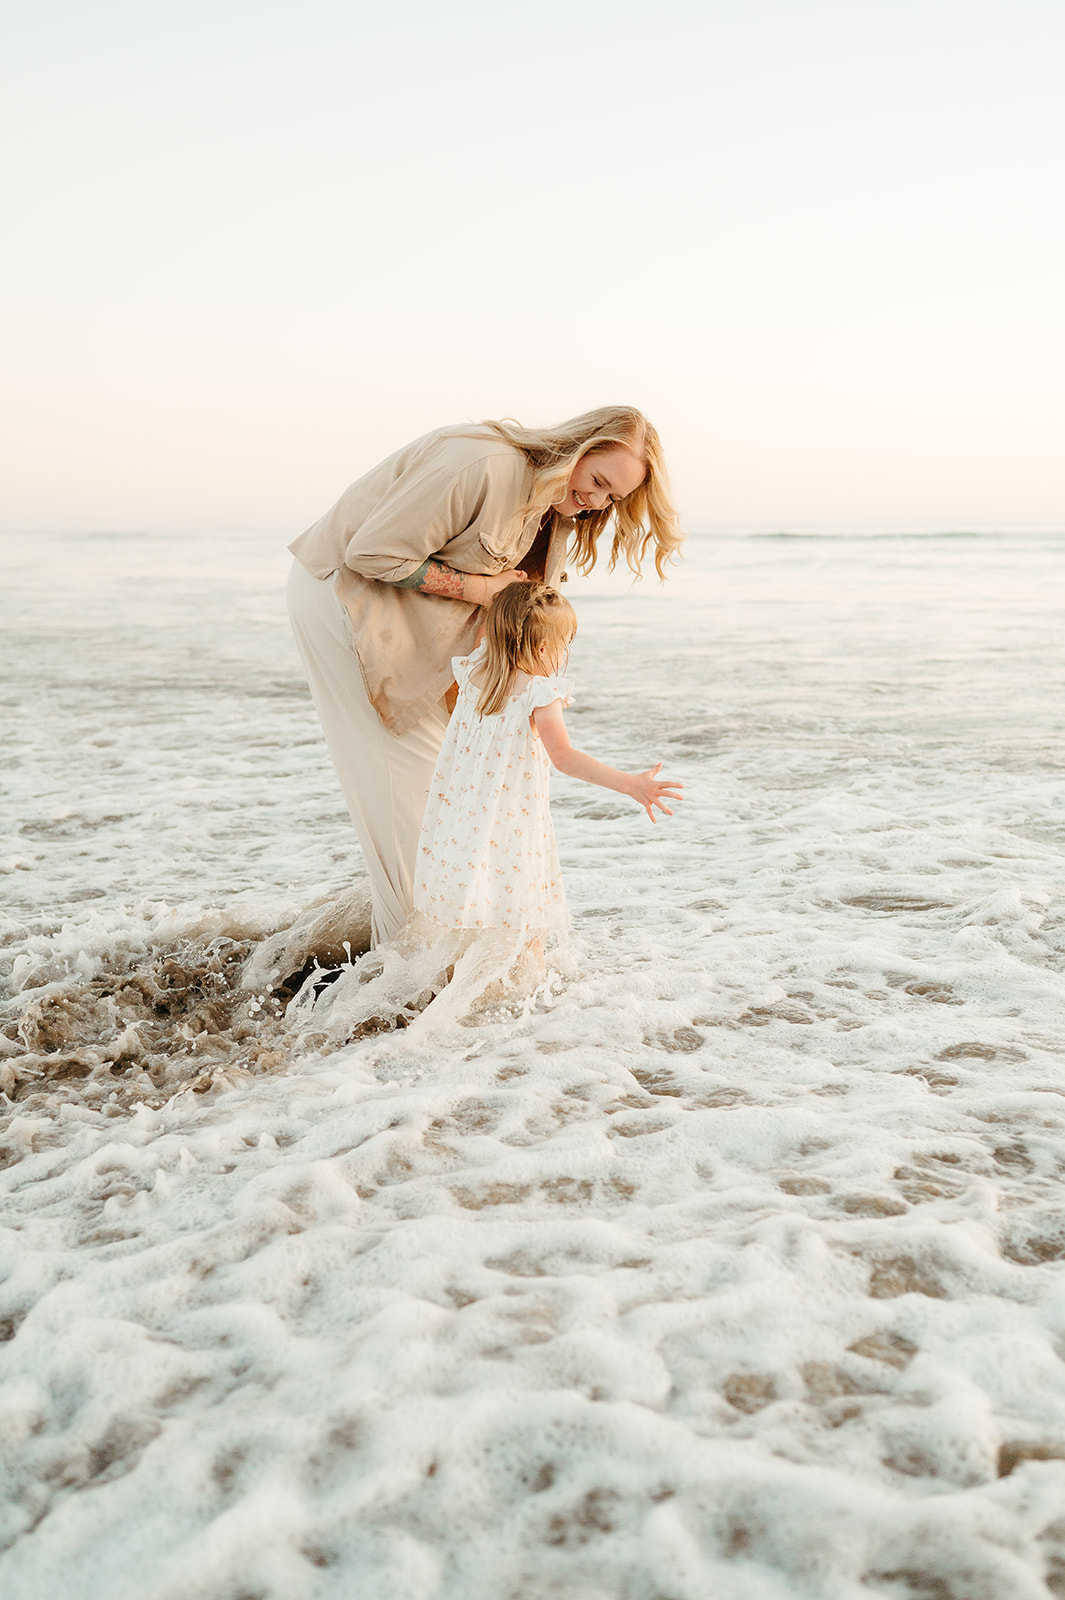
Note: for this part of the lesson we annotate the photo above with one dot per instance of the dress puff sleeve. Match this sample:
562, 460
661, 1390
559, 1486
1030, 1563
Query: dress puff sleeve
462, 666
545, 691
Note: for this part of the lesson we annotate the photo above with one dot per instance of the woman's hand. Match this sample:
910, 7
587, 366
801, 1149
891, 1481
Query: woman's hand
499, 581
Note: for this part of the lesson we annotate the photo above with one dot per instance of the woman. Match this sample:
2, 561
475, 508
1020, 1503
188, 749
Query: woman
389, 585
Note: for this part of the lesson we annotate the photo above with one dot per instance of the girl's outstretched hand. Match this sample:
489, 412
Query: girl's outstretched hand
646, 788
652, 791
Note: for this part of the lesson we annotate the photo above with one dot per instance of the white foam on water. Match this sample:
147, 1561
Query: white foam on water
730, 1266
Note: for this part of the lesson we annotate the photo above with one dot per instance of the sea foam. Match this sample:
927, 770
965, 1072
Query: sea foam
730, 1265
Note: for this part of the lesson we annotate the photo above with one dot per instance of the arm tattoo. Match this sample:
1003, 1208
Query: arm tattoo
415, 580
433, 577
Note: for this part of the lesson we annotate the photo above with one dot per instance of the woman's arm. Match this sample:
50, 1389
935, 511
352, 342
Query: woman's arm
439, 498
643, 787
475, 588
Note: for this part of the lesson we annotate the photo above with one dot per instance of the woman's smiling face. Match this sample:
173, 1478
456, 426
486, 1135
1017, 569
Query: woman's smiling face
601, 477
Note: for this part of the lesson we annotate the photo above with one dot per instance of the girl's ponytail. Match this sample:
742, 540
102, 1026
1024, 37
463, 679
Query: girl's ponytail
527, 627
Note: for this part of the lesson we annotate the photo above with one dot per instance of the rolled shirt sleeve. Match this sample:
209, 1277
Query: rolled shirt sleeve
419, 516
451, 494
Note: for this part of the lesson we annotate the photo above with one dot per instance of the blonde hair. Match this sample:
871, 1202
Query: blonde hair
523, 620
642, 518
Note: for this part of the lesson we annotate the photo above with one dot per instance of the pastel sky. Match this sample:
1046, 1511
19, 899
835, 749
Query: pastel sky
255, 245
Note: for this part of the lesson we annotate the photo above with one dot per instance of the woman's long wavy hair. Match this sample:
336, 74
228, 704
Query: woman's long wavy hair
528, 627
644, 517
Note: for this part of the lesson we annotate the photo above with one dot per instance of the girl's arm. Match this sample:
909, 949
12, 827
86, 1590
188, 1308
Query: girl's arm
644, 787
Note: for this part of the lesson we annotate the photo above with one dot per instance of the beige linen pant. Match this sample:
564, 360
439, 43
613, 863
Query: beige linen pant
385, 780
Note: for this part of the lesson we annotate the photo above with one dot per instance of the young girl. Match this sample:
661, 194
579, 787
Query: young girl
488, 891
487, 856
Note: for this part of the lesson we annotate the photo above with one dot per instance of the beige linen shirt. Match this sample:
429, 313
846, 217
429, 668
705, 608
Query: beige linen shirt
449, 495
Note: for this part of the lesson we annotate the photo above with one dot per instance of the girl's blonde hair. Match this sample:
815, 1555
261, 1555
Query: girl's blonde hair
644, 517
523, 620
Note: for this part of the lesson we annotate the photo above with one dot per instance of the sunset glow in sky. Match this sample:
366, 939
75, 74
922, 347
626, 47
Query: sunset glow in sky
254, 245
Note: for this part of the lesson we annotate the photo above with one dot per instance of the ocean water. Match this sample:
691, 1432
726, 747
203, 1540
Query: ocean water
729, 1267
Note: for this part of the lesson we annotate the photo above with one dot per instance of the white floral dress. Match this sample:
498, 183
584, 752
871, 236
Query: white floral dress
487, 856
